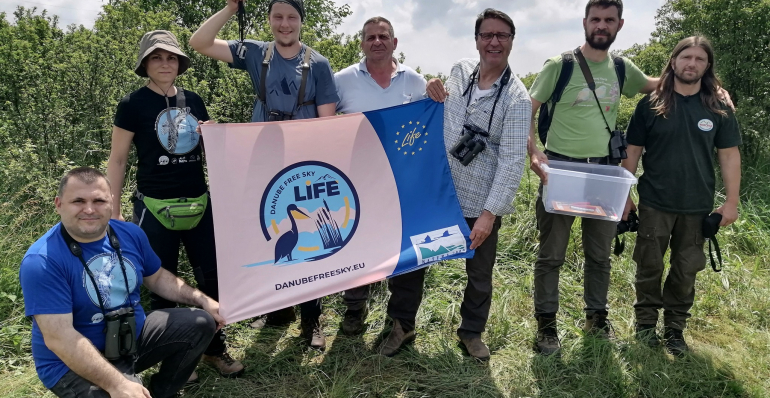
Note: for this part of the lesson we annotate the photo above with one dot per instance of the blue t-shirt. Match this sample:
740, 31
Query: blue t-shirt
359, 92
284, 77
54, 281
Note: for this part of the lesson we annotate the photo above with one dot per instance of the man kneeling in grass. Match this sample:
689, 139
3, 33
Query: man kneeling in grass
678, 126
90, 335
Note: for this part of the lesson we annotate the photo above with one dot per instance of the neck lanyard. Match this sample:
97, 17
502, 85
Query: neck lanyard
503, 82
77, 251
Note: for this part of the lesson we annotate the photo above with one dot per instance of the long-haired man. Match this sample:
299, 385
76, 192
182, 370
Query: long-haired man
679, 126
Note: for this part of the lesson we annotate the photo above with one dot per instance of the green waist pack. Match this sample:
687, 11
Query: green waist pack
179, 214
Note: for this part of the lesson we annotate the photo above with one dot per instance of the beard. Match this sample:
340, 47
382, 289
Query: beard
679, 76
592, 41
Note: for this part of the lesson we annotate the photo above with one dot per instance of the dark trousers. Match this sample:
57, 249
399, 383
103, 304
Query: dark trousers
657, 231
201, 250
406, 290
554, 234
174, 337
355, 298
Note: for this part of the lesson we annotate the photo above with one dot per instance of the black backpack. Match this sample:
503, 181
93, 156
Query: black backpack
567, 61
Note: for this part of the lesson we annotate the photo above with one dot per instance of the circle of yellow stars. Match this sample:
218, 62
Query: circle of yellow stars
419, 148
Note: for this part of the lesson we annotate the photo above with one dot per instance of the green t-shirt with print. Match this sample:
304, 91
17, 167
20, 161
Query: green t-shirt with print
577, 129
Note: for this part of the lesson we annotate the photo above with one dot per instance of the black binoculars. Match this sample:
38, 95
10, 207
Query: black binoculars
278, 116
467, 147
618, 145
630, 225
119, 334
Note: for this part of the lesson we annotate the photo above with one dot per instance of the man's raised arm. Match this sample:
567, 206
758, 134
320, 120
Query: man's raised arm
205, 41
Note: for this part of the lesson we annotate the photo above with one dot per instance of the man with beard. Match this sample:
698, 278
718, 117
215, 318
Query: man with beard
295, 83
678, 126
579, 133
378, 81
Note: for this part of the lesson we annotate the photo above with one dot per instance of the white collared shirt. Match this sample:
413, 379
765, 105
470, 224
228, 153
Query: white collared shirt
359, 92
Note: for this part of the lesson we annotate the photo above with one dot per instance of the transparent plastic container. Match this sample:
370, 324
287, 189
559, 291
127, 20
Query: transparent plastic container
586, 190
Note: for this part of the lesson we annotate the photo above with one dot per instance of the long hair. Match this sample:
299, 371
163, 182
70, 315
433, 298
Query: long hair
662, 99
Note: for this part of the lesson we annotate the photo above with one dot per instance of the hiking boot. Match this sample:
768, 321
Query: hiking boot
598, 326
547, 337
395, 340
278, 318
645, 333
225, 364
476, 348
675, 343
313, 333
353, 323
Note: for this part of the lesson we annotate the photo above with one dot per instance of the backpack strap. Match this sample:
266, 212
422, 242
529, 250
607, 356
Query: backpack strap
548, 107
567, 59
620, 71
263, 74
303, 85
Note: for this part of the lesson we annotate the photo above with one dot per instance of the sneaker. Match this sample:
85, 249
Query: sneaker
598, 326
227, 366
278, 318
353, 324
313, 333
547, 337
645, 333
396, 339
476, 348
675, 343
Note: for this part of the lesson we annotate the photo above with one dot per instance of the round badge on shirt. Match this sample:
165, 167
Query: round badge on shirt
706, 125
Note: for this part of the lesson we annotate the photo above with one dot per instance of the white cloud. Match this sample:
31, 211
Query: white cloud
433, 34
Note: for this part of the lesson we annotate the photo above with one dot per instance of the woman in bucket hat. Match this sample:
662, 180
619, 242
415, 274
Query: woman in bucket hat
161, 120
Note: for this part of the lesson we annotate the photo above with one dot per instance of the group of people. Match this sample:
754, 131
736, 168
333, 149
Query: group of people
81, 279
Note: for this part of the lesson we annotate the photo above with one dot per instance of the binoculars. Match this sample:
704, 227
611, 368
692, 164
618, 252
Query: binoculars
119, 334
467, 147
618, 145
278, 116
630, 225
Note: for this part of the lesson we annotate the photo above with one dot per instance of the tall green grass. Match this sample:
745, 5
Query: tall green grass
728, 333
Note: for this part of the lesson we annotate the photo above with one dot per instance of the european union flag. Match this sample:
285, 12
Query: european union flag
413, 138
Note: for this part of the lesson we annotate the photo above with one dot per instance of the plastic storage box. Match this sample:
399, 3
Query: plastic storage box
586, 190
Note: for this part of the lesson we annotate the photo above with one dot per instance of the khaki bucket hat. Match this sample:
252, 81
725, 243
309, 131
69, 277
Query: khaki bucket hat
164, 40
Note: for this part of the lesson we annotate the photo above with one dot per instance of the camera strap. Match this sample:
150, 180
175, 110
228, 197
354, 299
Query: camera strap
711, 254
503, 82
241, 51
77, 251
620, 245
591, 84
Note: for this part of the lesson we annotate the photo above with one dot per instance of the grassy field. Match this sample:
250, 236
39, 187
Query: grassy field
729, 332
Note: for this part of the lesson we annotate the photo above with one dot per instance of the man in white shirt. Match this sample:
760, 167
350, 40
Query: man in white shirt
378, 81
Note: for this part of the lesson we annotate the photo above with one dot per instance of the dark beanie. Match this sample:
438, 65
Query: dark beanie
297, 4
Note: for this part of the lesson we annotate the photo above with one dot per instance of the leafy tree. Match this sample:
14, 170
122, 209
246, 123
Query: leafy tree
740, 33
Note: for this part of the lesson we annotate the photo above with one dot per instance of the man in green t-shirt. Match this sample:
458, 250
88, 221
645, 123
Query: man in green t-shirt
578, 133
678, 126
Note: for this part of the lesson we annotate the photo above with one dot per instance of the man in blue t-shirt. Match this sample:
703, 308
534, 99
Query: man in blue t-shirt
87, 270
378, 81
293, 70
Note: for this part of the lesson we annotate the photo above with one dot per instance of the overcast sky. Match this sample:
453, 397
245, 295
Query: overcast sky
435, 33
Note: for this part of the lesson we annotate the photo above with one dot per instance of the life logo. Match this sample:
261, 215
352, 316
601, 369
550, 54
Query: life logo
311, 210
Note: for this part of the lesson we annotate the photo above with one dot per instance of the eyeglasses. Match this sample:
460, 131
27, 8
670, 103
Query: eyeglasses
501, 37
